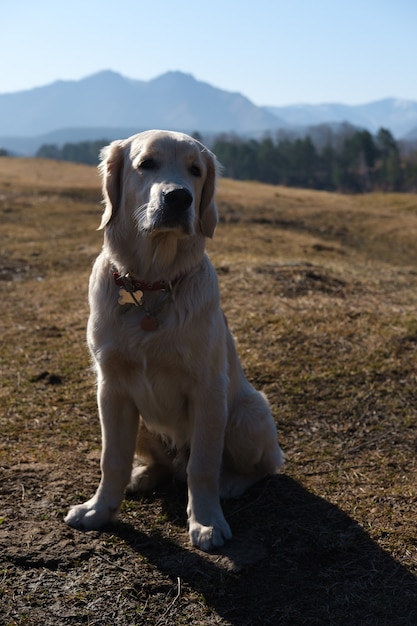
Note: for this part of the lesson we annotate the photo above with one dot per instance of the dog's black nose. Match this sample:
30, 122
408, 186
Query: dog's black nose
178, 199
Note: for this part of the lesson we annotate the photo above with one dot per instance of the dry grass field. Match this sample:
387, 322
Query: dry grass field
321, 293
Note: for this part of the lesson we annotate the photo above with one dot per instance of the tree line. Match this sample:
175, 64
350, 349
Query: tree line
86, 152
346, 159
351, 161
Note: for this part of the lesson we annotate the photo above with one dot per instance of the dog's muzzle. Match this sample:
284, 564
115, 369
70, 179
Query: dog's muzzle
175, 210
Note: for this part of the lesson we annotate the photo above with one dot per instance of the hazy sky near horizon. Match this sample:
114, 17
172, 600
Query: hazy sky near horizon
275, 52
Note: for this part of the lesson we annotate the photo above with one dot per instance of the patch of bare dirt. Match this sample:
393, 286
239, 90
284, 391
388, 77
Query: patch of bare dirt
295, 558
302, 279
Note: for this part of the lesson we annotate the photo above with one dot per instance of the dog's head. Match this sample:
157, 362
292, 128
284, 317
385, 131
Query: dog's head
162, 181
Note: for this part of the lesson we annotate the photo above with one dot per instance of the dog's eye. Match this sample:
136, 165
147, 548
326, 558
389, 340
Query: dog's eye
148, 164
195, 171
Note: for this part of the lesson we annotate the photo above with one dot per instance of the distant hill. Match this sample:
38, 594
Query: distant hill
412, 135
108, 100
107, 105
30, 145
399, 116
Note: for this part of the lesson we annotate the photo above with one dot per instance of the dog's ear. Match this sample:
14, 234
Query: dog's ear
111, 169
209, 216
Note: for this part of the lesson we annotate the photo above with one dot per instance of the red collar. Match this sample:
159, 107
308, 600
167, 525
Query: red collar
132, 284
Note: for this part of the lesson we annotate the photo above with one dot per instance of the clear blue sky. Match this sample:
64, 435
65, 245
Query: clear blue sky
273, 51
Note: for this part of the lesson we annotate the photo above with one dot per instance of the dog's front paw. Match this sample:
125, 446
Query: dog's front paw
91, 515
208, 538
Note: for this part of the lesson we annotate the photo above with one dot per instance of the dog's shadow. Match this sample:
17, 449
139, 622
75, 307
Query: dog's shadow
294, 559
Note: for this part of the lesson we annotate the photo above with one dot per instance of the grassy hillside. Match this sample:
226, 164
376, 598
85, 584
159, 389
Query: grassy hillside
320, 291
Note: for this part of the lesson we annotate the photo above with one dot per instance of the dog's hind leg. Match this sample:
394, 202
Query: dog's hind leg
251, 449
155, 462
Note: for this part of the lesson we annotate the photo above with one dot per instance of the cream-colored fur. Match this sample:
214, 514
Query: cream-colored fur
177, 394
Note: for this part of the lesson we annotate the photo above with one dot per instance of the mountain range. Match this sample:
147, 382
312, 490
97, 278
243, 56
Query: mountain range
109, 105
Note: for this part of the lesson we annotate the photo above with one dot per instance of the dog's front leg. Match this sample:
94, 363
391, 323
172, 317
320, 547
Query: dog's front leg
119, 423
207, 525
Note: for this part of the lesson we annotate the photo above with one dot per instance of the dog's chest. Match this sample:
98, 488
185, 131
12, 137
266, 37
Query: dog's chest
163, 403
155, 372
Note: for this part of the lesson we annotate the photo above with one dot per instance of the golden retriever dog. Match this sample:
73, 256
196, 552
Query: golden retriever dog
170, 384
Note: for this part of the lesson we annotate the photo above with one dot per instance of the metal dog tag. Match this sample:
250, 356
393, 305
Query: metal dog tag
149, 323
130, 297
